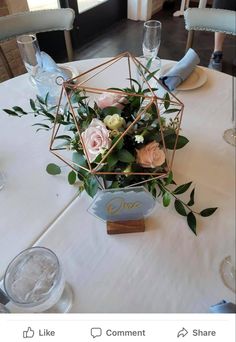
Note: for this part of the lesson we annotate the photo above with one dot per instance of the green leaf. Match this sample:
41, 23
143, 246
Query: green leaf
46, 99
136, 82
166, 199
169, 179
173, 110
42, 126
120, 143
40, 99
10, 112
191, 201
114, 185
179, 207
192, 223
91, 185
182, 188
208, 212
79, 159
151, 74
149, 63
32, 105
64, 137
19, 109
112, 159
166, 101
111, 111
171, 139
53, 169
72, 177
125, 156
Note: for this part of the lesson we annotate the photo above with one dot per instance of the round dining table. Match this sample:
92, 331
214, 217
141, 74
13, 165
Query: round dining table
166, 269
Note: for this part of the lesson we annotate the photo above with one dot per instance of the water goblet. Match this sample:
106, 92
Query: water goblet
30, 54
34, 282
228, 272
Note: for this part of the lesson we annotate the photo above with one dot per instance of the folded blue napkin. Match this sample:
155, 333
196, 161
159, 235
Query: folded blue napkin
223, 307
49, 65
180, 70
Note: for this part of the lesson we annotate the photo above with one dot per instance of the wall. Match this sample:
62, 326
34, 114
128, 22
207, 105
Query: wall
143, 9
10, 47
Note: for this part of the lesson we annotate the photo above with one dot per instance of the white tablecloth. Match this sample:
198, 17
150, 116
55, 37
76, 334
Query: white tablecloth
31, 198
166, 268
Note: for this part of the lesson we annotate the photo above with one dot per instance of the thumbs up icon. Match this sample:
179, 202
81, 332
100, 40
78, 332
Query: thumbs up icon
29, 333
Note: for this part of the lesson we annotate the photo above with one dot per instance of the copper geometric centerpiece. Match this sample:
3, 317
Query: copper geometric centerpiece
149, 96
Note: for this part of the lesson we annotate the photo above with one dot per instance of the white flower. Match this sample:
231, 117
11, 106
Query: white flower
114, 121
139, 139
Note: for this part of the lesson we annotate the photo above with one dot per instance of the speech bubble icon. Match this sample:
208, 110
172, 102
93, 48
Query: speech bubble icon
96, 332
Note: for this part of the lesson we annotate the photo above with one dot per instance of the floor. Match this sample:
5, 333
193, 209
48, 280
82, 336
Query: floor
126, 35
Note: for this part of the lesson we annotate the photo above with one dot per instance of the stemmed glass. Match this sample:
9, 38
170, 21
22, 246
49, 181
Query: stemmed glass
228, 272
30, 54
230, 134
151, 39
150, 46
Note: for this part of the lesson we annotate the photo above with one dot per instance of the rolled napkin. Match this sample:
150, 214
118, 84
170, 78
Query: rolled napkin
48, 64
223, 307
181, 70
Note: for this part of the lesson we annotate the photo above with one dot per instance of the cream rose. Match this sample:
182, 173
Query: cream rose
111, 100
96, 139
114, 121
150, 155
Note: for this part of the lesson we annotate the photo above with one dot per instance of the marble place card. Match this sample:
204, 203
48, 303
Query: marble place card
122, 204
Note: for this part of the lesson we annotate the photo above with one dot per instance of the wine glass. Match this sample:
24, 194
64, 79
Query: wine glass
230, 134
151, 44
30, 54
151, 38
228, 272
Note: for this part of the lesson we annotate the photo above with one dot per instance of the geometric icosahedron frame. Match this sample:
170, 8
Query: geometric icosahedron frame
90, 83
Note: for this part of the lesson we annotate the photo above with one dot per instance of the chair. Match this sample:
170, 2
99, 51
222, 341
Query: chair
208, 19
14, 25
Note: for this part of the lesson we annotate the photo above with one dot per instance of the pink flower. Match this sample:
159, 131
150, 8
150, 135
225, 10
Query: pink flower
111, 100
96, 139
150, 155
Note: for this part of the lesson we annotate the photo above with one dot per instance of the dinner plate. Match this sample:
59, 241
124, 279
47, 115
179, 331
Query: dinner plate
70, 72
195, 80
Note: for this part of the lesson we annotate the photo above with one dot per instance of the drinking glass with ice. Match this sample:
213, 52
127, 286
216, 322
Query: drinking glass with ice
34, 282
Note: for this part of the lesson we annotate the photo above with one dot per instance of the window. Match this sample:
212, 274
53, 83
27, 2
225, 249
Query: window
36, 5
85, 5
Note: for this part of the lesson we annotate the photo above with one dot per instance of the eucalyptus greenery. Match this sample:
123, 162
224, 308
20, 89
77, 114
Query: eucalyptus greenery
122, 156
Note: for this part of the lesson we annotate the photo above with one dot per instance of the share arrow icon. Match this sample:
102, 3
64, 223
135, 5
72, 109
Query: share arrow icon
183, 332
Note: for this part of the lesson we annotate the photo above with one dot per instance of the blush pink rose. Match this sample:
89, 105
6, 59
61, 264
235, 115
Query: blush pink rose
150, 155
111, 100
96, 139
